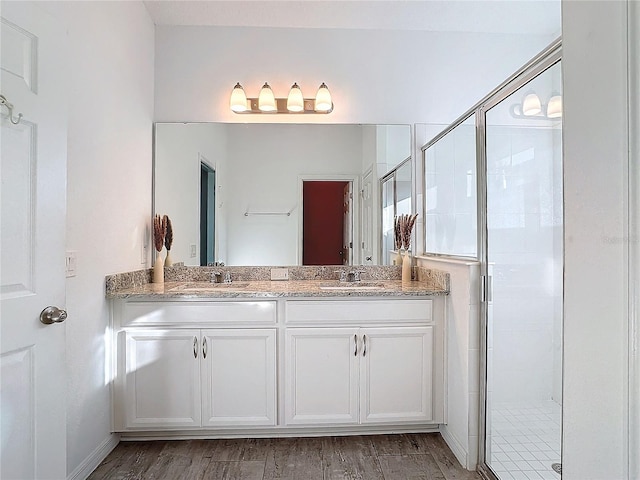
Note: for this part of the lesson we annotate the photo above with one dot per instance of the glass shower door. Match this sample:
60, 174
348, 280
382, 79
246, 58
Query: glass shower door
524, 263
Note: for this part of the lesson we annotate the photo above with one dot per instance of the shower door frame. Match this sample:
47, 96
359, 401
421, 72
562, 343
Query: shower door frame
539, 64
536, 66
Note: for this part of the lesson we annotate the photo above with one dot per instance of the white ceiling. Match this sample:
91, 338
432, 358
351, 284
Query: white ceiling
488, 16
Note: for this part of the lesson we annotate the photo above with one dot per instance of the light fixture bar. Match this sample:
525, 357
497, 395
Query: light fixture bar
294, 103
281, 107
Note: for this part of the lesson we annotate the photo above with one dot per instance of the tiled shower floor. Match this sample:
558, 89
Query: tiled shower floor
525, 440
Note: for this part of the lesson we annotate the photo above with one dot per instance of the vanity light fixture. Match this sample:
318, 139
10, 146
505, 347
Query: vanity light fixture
268, 103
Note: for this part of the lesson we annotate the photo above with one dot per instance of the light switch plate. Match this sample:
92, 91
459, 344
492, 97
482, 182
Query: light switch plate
192, 250
70, 263
279, 274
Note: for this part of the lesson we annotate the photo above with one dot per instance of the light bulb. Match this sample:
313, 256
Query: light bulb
295, 100
554, 107
323, 99
238, 101
266, 100
531, 105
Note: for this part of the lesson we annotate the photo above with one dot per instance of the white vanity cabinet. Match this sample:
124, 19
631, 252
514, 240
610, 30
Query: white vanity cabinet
321, 376
180, 377
365, 374
396, 374
238, 373
277, 366
162, 378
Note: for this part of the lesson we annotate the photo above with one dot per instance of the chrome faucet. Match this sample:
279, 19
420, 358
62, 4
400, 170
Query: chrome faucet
351, 275
356, 275
227, 277
343, 275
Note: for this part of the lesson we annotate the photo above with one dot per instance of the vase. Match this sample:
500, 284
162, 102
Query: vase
406, 267
167, 261
158, 269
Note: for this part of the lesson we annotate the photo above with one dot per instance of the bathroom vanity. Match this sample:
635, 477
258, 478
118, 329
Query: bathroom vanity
277, 358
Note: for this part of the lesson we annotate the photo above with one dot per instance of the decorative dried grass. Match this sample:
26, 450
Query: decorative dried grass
168, 234
402, 228
159, 231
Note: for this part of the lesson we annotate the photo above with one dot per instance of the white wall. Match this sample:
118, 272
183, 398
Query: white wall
462, 325
595, 159
392, 147
375, 76
110, 61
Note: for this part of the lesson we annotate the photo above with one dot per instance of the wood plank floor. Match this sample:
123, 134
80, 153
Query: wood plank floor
371, 457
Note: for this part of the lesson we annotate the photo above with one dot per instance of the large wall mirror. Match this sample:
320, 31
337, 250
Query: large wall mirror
275, 194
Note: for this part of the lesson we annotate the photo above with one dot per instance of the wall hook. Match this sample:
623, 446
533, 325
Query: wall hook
5, 102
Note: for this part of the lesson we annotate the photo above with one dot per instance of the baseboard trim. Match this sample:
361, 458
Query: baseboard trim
275, 432
96, 457
455, 446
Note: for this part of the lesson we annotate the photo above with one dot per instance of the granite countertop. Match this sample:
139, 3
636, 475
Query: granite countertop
275, 289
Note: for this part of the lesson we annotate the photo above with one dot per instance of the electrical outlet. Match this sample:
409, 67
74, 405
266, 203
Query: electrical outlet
279, 274
70, 263
145, 243
144, 250
192, 250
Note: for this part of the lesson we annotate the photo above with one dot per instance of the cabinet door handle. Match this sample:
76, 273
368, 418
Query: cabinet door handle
195, 347
204, 347
355, 344
364, 345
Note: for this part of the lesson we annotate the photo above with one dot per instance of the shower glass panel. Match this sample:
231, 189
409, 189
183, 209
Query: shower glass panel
396, 200
450, 193
388, 213
525, 267
403, 189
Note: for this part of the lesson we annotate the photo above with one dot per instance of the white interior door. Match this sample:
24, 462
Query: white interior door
32, 225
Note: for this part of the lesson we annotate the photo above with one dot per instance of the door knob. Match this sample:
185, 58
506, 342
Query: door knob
53, 315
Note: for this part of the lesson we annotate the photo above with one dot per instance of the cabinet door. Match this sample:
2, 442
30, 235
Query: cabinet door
396, 373
238, 377
321, 376
162, 378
